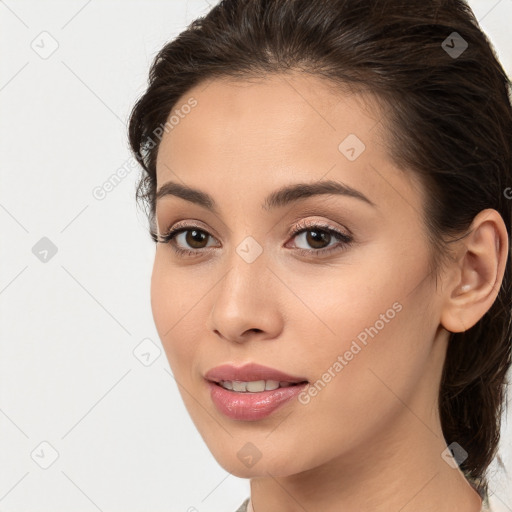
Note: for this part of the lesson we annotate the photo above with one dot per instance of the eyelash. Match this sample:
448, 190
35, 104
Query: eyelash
344, 240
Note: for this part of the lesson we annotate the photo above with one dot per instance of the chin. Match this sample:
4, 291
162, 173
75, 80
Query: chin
246, 462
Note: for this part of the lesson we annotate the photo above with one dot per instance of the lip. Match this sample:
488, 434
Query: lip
251, 406
250, 372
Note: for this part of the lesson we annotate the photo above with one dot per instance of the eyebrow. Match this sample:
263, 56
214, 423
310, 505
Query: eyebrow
277, 199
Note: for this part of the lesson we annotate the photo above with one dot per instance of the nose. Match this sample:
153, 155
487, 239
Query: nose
245, 303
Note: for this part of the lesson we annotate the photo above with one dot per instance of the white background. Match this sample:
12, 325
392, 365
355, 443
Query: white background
70, 325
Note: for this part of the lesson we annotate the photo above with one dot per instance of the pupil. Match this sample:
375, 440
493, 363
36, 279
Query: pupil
322, 235
195, 233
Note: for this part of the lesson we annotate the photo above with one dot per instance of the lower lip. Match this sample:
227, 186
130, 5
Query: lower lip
251, 406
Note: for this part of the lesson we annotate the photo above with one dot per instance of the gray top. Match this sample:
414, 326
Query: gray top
243, 506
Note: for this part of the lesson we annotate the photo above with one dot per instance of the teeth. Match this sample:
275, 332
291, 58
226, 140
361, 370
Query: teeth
271, 384
239, 386
256, 386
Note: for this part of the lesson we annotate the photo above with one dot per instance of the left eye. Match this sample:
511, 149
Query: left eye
316, 237
314, 234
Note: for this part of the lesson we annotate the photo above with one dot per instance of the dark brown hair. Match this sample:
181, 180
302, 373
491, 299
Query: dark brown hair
448, 118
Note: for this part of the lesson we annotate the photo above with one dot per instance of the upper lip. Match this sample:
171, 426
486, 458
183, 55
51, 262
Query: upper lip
249, 372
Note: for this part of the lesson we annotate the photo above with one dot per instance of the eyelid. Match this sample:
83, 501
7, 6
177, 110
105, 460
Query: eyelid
344, 239
296, 229
301, 224
186, 225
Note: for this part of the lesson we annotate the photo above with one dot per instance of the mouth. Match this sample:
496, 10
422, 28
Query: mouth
252, 392
251, 377
252, 405
255, 386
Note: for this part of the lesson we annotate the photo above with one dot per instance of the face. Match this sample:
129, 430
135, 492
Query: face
331, 288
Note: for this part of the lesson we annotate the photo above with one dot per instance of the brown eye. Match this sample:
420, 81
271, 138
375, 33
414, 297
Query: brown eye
195, 237
190, 240
318, 238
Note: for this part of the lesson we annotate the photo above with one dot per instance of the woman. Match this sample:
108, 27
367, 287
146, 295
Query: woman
328, 183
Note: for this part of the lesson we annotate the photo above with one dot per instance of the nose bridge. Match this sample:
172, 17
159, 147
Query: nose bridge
248, 275
246, 259
245, 298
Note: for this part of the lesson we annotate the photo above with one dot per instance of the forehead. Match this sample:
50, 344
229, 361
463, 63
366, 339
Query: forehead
290, 127
277, 113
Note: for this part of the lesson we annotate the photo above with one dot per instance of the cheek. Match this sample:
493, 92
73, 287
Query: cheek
175, 305
354, 304
375, 295
379, 326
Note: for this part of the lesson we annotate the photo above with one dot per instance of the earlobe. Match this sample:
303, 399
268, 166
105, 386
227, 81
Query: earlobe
477, 273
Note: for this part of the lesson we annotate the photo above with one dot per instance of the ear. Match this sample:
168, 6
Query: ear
476, 274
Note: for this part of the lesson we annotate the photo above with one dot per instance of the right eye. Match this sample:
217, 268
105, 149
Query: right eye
193, 236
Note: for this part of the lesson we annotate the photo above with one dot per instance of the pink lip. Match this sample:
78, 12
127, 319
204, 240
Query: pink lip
251, 406
249, 372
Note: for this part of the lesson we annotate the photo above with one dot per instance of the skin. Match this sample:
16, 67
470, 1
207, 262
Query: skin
371, 439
